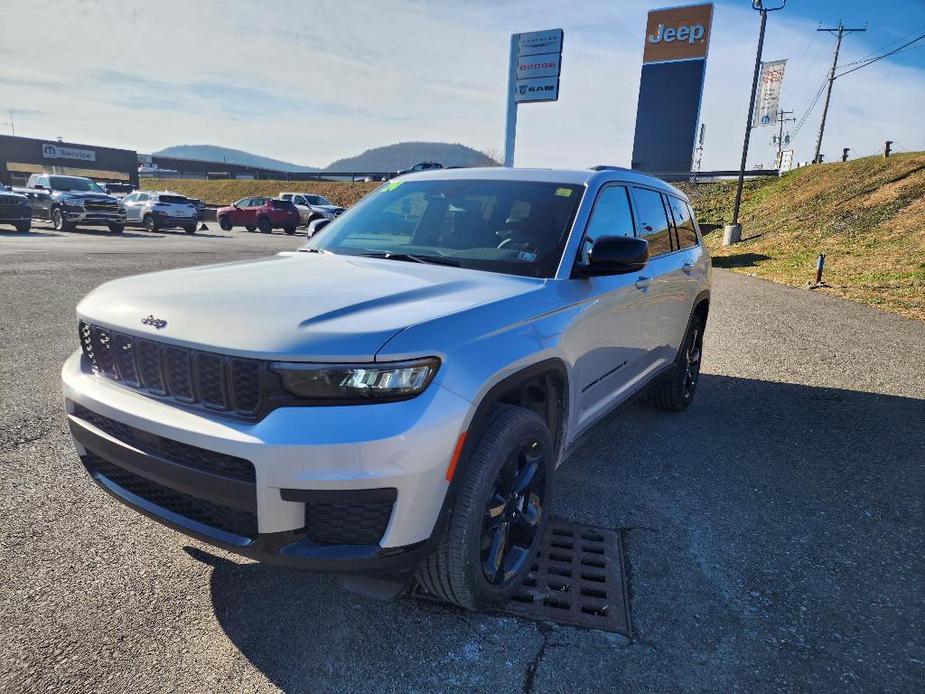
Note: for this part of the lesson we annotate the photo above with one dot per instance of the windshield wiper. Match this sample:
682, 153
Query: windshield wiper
430, 259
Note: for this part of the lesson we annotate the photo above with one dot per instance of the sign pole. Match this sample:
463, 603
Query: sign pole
510, 129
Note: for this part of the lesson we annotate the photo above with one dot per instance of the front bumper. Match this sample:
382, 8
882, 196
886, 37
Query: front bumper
84, 216
15, 215
339, 459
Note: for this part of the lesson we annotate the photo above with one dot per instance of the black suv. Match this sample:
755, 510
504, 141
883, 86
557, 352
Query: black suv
15, 209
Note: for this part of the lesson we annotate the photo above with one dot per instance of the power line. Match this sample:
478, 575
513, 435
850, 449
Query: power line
887, 46
881, 57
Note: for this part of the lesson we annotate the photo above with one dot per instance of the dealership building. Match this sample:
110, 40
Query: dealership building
22, 156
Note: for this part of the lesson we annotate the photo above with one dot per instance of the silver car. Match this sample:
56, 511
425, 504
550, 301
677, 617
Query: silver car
394, 397
161, 210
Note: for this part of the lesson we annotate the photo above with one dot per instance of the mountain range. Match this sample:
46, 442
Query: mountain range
394, 157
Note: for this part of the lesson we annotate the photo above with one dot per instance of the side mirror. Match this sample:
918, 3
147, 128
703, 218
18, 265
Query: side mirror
615, 255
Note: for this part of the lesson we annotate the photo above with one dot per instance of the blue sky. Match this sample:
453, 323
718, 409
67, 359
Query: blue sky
313, 82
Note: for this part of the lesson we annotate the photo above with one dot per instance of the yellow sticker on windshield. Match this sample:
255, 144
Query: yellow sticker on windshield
392, 185
563, 192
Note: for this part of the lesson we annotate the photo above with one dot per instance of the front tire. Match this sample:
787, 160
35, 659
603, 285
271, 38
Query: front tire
491, 537
251, 228
225, 224
59, 222
150, 223
23, 227
289, 230
265, 225
116, 228
677, 392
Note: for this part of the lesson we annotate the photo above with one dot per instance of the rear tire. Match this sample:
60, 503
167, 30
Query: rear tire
289, 230
116, 228
677, 392
151, 223
225, 224
59, 222
23, 227
490, 540
265, 225
190, 228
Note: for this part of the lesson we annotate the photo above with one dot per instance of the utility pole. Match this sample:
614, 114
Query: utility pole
839, 31
844, 153
733, 232
781, 119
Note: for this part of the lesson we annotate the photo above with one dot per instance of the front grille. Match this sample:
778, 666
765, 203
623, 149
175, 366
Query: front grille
213, 381
101, 206
347, 523
12, 201
240, 523
201, 459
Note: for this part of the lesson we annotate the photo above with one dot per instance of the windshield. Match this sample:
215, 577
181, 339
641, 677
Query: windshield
80, 185
317, 200
512, 227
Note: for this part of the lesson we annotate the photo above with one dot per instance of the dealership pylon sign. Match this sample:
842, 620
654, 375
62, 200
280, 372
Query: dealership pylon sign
533, 75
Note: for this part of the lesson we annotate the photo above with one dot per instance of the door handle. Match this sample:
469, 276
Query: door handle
643, 282
687, 268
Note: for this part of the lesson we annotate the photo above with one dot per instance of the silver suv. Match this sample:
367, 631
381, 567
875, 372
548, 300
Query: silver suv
400, 405
157, 210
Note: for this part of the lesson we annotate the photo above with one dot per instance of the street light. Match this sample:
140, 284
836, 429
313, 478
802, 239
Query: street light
733, 232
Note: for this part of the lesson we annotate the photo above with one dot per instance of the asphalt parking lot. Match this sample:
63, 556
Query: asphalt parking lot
774, 531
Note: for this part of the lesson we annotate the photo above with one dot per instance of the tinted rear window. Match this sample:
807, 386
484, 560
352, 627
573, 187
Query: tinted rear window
175, 199
281, 204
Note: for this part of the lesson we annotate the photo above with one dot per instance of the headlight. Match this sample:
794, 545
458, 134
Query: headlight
357, 382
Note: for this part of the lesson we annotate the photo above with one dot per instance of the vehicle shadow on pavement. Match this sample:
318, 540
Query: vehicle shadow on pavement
774, 541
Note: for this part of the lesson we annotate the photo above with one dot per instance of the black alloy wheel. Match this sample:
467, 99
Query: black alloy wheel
513, 513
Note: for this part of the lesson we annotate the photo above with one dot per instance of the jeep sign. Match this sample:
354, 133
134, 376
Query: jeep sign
670, 88
50, 151
678, 33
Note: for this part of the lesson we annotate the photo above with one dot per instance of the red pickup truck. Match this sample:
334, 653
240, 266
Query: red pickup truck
265, 214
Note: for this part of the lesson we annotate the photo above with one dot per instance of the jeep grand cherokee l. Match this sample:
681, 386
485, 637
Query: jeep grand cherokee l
394, 397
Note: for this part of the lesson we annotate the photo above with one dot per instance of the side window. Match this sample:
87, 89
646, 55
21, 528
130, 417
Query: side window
683, 222
652, 222
611, 216
129, 198
143, 197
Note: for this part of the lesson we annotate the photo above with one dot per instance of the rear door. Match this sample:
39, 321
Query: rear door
608, 340
250, 212
41, 199
694, 262
663, 283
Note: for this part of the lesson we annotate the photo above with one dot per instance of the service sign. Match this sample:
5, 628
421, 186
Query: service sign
50, 151
536, 42
768, 98
541, 65
542, 89
678, 33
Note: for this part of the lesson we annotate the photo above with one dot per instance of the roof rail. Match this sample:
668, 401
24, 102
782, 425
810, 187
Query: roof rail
608, 167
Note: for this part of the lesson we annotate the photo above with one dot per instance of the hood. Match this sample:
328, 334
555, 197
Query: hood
82, 195
300, 306
328, 208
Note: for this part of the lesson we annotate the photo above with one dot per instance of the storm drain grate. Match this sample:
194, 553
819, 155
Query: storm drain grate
577, 579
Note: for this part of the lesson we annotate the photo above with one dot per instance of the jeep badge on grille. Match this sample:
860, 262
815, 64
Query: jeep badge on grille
157, 323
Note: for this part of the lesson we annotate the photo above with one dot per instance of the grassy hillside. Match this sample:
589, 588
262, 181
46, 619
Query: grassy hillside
224, 192
867, 216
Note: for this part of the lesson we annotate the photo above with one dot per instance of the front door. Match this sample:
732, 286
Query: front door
609, 338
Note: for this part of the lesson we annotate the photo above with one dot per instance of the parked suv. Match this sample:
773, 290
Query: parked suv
265, 214
15, 209
312, 207
161, 210
69, 201
400, 410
